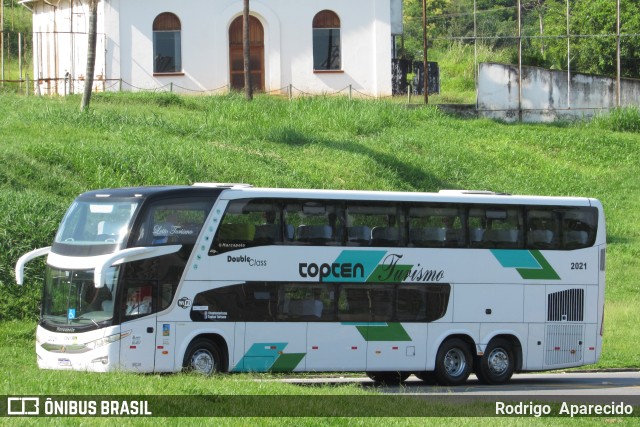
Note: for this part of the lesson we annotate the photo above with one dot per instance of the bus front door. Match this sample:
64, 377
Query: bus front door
137, 348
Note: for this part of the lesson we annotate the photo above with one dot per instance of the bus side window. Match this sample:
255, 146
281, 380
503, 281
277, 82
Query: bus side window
248, 223
220, 304
381, 300
477, 226
139, 300
370, 224
579, 228
495, 227
435, 227
542, 229
315, 223
260, 303
353, 304
305, 302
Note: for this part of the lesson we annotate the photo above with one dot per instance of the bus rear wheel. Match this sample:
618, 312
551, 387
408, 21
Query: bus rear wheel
202, 356
388, 378
496, 365
453, 363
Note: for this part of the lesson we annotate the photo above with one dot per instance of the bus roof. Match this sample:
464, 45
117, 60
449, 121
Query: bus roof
445, 196
240, 191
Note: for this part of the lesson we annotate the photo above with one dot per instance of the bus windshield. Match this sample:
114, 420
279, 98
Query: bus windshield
71, 299
96, 223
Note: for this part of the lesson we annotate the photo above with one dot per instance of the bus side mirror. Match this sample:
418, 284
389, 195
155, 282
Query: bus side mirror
25, 259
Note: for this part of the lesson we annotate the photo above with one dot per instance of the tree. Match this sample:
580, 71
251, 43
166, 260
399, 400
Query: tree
248, 90
412, 22
539, 7
91, 54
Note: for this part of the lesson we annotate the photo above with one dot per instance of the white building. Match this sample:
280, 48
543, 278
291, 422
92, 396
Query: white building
195, 46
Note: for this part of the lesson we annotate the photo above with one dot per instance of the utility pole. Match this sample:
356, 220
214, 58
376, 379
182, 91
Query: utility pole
246, 51
91, 54
425, 55
2, 40
618, 71
568, 57
519, 61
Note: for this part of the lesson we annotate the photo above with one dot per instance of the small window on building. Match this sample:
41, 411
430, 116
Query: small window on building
167, 51
326, 41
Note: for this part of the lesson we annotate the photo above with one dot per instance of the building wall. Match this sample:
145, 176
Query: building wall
125, 44
60, 46
548, 95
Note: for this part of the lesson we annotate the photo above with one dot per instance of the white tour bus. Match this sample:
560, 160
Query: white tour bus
222, 277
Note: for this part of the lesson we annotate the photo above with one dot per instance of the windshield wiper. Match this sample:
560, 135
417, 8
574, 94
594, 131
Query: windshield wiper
86, 318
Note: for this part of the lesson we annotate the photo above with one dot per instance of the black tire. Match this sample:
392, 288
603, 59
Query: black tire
497, 364
202, 356
453, 363
428, 377
388, 378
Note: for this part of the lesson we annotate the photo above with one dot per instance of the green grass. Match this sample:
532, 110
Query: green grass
50, 152
22, 378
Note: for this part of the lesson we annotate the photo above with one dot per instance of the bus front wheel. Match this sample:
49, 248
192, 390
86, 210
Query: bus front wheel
453, 363
496, 365
203, 357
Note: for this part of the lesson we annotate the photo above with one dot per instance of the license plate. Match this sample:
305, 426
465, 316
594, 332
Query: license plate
64, 362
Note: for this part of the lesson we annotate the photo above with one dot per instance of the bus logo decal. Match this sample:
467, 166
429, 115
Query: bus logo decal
353, 266
531, 265
184, 302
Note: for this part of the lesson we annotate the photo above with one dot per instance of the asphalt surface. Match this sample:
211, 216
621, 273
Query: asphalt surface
603, 383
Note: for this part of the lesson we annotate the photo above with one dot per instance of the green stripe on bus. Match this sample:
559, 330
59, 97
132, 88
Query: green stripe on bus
531, 265
545, 273
287, 362
380, 331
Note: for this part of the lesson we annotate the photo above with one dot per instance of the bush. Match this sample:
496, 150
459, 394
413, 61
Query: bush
625, 119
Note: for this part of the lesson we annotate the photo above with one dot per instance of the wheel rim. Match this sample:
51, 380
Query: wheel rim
455, 362
498, 361
203, 362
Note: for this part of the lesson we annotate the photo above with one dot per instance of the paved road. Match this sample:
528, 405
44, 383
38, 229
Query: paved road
535, 385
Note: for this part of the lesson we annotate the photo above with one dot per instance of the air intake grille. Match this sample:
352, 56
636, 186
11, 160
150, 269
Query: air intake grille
566, 306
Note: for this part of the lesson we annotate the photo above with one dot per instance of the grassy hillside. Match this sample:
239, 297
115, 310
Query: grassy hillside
49, 152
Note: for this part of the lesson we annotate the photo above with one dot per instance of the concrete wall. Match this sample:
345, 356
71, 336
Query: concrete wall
546, 94
126, 48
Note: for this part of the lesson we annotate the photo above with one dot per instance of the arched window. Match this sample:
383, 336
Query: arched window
167, 53
326, 41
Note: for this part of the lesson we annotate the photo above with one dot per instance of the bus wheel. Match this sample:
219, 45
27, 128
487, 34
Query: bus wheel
453, 362
388, 378
497, 364
203, 357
